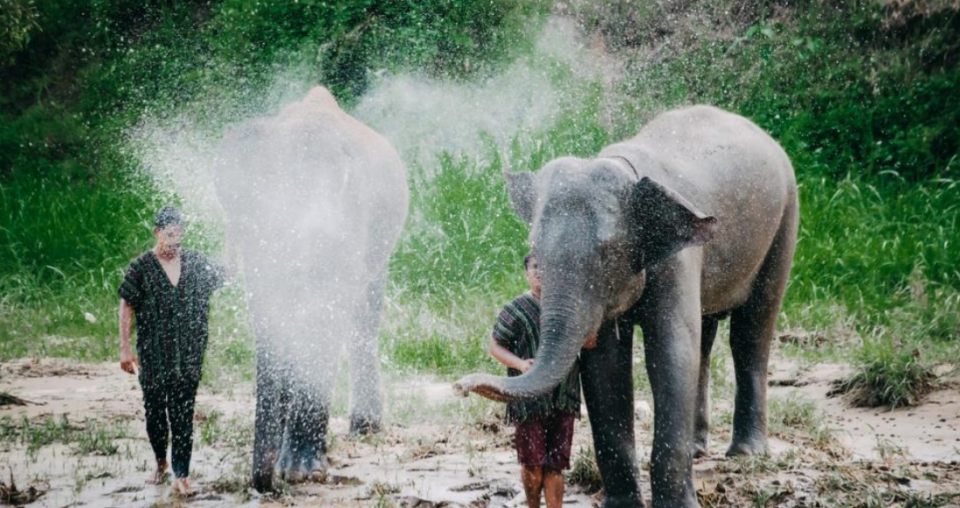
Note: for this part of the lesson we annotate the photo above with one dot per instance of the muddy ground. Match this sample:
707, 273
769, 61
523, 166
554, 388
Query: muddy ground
86, 446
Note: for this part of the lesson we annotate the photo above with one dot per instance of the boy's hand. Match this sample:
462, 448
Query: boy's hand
525, 365
591, 342
128, 361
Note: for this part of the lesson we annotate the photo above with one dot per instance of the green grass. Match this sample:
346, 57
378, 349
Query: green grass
99, 439
888, 372
795, 413
871, 247
89, 437
36, 436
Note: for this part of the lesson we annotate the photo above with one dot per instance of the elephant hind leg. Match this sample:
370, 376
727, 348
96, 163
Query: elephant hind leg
365, 414
269, 419
708, 333
752, 327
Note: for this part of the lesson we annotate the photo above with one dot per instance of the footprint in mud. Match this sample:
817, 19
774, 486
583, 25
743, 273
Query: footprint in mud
491, 490
342, 481
128, 489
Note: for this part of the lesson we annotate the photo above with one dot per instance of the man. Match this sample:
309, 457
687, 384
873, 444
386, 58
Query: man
168, 289
544, 425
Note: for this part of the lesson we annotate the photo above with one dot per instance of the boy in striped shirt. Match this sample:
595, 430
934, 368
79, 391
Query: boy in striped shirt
544, 425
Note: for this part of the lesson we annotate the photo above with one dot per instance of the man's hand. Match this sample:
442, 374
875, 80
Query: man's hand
525, 365
128, 361
591, 342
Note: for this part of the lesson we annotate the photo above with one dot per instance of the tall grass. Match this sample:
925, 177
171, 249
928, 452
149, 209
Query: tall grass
865, 248
874, 246
65, 244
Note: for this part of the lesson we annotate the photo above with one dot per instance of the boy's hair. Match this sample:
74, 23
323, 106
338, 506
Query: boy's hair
168, 216
526, 260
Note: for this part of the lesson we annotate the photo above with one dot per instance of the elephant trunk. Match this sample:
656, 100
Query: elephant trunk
567, 319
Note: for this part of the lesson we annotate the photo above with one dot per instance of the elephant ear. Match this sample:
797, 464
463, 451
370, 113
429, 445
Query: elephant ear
665, 223
522, 195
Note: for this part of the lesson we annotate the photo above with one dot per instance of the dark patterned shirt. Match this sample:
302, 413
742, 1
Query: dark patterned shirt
171, 320
518, 330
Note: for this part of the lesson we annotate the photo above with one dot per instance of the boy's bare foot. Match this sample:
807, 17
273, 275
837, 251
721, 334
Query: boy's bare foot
157, 477
181, 487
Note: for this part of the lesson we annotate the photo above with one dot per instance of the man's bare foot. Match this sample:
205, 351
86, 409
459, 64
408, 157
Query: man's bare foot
181, 487
158, 475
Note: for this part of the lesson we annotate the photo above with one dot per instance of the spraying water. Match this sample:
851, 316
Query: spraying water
423, 116
314, 202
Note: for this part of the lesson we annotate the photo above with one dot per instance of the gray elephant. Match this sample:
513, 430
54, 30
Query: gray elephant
315, 202
692, 220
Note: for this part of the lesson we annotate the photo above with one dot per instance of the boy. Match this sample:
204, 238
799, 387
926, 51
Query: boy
168, 289
545, 424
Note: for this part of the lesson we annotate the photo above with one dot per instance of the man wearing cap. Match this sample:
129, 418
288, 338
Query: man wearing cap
168, 289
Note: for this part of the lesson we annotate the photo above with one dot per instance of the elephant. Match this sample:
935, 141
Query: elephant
314, 202
691, 221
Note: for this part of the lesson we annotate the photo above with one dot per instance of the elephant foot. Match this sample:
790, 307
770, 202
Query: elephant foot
306, 463
622, 502
304, 470
756, 445
690, 502
363, 425
264, 464
263, 480
700, 449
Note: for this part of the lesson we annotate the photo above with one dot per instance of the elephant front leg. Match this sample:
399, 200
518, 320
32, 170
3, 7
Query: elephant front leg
606, 373
671, 337
672, 366
269, 419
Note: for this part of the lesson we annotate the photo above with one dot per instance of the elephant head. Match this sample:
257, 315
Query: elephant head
595, 230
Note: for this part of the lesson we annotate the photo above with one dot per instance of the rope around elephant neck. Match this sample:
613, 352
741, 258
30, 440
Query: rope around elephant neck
629, 164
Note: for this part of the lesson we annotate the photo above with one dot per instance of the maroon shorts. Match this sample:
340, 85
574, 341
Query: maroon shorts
546, 441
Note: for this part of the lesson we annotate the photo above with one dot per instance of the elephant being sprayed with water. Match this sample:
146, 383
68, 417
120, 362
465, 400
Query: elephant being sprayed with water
315, 202
692, 220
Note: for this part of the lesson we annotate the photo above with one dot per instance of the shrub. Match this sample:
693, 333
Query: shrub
585, 472
887, 373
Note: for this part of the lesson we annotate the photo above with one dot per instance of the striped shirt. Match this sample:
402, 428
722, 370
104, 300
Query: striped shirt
171, 320
518, 330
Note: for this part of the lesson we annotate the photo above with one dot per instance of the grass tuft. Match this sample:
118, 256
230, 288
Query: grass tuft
795, 412
888, 373
89, 438
585, 472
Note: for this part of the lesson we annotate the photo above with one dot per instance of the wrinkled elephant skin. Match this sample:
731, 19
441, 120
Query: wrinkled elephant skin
692, 220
